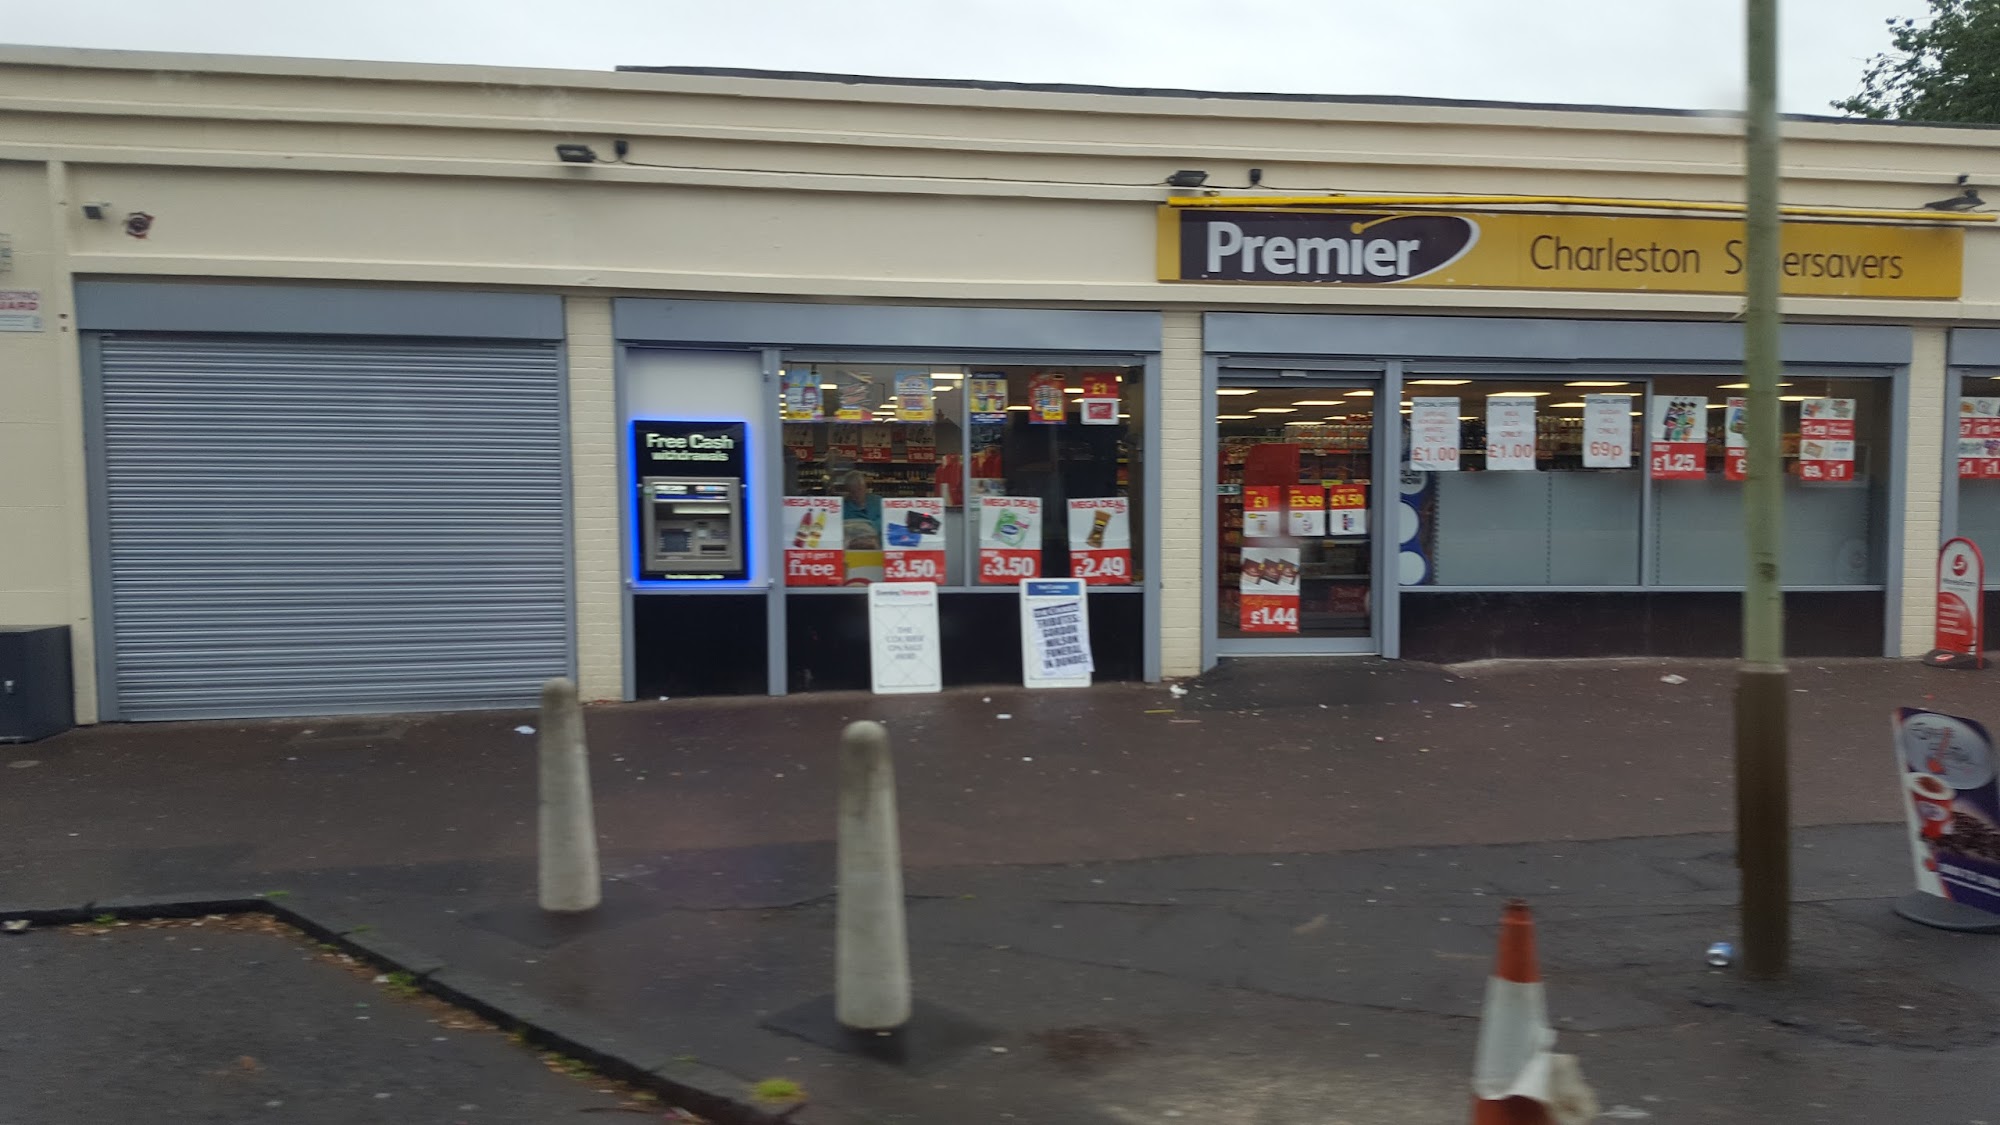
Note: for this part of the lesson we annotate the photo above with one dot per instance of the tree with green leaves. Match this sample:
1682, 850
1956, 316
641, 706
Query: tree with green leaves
1943, 67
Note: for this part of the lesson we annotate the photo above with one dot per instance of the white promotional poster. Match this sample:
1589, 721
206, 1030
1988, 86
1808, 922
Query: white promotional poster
1269, 590
1951, 806
1510, 434
1010, 539
903, 638
1679, 437
1434, 434
1607, 431
913, 538
1263, 511
1100, 541
1305, 511
813, 554
1055, 633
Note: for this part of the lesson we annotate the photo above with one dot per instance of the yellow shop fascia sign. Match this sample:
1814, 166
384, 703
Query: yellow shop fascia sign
1511, 250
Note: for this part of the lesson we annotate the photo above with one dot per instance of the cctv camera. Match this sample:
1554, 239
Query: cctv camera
97, 211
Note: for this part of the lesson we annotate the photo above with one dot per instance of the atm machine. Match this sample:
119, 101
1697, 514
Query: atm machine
693, 527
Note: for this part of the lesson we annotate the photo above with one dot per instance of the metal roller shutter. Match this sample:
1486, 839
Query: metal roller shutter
314, 526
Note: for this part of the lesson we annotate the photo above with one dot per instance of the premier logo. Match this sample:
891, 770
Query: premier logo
1320, 246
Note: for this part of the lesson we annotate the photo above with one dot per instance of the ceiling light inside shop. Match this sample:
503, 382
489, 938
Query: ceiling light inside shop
947, 375
1274, 410
829, 386
1566, 406
1600, 383
1319, 402
1303, 422
1638, 414
1017, 408
1439, 382
1234, 417
1361, 394
1718, 406
1518, 394
1235, 390
1795, 398
1338, 418
1072, 390
1744, 386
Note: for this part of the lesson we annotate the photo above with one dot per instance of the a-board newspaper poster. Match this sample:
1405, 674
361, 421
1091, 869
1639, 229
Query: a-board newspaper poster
1950, 806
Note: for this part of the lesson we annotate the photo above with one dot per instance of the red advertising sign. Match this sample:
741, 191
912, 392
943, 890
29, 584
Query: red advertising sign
1045, 400
875, 445
1099, 404
919, 445
1305, 511
1100, 541
843, 443
1826, 439
1679, 438
1270, 613
1961, 603
1263, 511
813, 554
1010, 539
1347, 509
1979, 438
1735, 441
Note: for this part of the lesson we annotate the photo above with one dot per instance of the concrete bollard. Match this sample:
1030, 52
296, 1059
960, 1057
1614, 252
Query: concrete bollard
871, 990
569, 879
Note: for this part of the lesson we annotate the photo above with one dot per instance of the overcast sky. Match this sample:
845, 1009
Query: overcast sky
1673, 53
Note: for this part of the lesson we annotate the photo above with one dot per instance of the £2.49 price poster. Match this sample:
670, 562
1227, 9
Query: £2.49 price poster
1010, 539
1100, 541
1826, 439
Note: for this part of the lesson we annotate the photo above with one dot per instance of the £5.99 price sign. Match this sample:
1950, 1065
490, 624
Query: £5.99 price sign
1269, 590
1305, 511
1010, 539
1100, 541
1826, 439
913, 539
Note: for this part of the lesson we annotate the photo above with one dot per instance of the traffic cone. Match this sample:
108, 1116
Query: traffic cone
1516, 1080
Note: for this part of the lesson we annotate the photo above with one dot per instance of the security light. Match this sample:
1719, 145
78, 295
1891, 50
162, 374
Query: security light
575, 154
1187, 177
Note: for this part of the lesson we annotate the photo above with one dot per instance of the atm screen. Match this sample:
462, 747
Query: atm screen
674, 540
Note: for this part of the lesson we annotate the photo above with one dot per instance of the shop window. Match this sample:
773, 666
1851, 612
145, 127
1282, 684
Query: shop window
1835, 486
1538, 498
916, 455
1977, 433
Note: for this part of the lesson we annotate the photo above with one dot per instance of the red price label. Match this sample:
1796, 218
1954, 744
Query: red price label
1678, 461
1260, 498
1002, 566
913, 566
1265, 613
1104, 568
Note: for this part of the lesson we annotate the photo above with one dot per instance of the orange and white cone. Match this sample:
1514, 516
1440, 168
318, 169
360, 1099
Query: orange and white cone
1516, 1080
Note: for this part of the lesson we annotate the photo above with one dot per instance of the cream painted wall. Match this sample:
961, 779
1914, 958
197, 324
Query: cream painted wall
1924, 486
594, 497
1183, 508
44, 542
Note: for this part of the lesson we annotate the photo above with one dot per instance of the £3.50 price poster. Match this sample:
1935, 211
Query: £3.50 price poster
913, 539
1679, 437
1826, 439
1510, 434
1434, 434
1100, 541
1269, 590
1010, 539
1950, 805
1607, 431
813, 554
1979, 438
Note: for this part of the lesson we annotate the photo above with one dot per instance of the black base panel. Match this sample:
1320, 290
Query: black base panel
1451, 627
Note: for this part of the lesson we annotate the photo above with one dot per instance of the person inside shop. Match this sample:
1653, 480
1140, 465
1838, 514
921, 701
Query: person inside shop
860, 513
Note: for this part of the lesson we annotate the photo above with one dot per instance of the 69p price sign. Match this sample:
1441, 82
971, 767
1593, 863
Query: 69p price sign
1100, 541
1607, 431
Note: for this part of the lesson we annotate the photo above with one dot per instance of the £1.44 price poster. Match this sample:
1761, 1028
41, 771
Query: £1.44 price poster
1826, 439
1269, 590
1100, 541
1010, 539
1679, 437
913, 539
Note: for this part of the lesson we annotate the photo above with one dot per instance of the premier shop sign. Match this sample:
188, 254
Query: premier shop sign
1568, 251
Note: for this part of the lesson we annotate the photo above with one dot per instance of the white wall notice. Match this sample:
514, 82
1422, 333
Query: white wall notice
1434, 434
1510, 434
1607, 431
